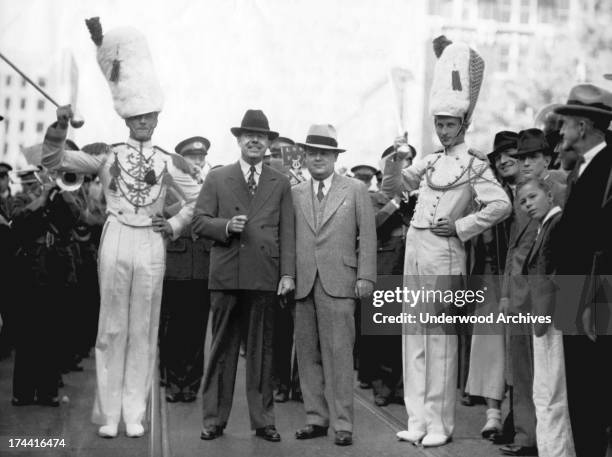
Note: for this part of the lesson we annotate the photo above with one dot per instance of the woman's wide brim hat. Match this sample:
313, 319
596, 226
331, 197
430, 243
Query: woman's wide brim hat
254, 120
322, 136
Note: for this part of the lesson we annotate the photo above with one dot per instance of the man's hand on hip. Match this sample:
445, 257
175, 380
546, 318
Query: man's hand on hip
444, 227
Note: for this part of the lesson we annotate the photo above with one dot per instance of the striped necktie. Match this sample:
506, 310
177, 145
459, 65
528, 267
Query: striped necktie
252, 185
320, 194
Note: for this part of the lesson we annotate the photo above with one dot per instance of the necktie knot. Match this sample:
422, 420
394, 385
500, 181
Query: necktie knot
320, 194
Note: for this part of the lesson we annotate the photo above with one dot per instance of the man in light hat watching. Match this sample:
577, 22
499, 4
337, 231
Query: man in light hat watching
444, 219
585, 249
136, 176
185, 300
334, 215
246, 209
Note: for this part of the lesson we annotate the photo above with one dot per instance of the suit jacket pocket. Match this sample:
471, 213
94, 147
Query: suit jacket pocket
178, 245
273, 251
350, 261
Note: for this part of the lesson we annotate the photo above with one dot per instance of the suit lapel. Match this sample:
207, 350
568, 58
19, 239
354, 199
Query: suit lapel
267, 183
305, 199
238, 185
335, 197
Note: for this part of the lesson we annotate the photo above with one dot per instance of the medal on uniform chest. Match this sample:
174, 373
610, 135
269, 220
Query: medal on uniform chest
135, 178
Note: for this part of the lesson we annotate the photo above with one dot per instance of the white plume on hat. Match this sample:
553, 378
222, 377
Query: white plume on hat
458, 75
124, 58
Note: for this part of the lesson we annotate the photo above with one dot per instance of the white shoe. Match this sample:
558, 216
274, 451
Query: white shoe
412, 436
108, 431
435, 439
134, 430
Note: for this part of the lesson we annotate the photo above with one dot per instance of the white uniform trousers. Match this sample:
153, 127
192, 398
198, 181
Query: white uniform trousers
131, 265
553, 428
430, 360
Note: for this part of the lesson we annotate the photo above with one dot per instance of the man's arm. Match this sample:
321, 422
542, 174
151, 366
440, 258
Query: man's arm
188, 188
366, 263
397, 180
205, 220
493, 199
55, 157
287, 232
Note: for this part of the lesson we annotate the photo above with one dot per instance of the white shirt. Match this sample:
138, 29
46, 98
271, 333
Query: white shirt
590, 155
554, 210
326, 185
246, 170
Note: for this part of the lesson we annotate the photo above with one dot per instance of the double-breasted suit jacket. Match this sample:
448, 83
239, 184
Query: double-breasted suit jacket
265, 250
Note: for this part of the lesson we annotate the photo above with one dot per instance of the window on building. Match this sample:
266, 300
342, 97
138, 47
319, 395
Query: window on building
40, 105
441, 8
550, 11
525, 11
5, 148
504, 57
42, 82
497, 10
7, 103
39, 127
7, 81
23, 83
23, 103
21, 126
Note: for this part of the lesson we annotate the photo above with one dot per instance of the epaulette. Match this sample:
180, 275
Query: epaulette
478, 154
179, 162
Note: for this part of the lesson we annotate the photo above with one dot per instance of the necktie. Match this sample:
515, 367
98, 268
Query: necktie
320, 194
573, 177
251, 181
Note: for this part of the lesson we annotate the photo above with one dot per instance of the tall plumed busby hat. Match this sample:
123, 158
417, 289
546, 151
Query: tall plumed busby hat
457, 79
124, 58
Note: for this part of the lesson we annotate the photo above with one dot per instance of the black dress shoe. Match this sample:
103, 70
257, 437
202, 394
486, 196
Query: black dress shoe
268, 433
172, 397
515, 449
381, 400
22, 401
281, 395
310, 431
343, 438
500, 438
211, 432
188, 397
48, 401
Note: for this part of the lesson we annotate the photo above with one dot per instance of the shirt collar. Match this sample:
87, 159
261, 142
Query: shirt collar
554, 210
327, 182
246, 167
591, 153
136, 144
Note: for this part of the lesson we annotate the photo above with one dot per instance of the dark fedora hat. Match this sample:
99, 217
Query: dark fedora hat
254, 120
531, 141
503, 141
193, 145
587, 100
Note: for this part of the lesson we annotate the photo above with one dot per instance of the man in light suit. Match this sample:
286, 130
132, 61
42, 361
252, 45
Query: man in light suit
246, 209
334, 215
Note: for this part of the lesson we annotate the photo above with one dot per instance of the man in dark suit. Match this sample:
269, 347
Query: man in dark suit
336, 264
585, 248
185, 299
247, 210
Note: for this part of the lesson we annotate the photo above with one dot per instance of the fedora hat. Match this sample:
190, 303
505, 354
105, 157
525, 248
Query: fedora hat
531, 141
322, 136
254, 120
503, 141
589, 101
